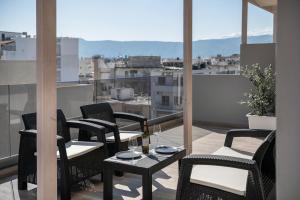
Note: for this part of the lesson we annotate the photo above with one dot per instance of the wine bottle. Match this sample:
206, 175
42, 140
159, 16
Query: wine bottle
146, 139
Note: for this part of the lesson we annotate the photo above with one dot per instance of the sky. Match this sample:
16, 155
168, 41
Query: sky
137, 20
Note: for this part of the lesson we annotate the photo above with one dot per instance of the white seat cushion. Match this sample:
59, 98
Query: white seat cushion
77, 148
226, 151
223, 178
125, 136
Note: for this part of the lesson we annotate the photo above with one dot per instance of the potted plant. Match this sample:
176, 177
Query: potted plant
261, 98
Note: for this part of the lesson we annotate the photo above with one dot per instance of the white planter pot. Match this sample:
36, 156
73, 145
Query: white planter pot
261, 122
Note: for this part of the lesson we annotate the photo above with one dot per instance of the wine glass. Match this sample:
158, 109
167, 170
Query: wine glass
156, 132
132, 146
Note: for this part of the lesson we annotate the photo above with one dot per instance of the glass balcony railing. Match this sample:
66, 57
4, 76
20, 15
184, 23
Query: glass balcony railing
134, 95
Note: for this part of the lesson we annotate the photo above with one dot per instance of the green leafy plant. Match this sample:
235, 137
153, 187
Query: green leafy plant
261, 98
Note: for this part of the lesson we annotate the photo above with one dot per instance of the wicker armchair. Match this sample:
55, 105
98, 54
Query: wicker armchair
77, 160
102, 114
228, 174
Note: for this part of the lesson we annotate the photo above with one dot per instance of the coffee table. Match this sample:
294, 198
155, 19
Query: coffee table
145, 166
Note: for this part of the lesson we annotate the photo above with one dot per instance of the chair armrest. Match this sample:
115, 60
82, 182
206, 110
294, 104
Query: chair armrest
93, 128
28, 142
109, 125
33, 133
29, 132
255, 133
60, 140
217, 160
130, 116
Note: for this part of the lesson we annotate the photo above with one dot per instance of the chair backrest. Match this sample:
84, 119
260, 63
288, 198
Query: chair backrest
265, 157
101, 111
62, 129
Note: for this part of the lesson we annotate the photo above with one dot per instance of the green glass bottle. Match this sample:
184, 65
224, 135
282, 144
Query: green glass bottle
146, 139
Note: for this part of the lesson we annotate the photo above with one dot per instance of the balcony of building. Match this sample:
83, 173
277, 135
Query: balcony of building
210, 108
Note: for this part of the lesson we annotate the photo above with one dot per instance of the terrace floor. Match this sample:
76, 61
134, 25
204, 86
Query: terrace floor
205, 141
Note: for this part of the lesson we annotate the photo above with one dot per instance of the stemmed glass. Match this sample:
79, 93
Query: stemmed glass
132, 146
156, 132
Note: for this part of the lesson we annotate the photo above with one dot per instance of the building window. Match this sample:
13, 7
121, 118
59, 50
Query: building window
165, 100
58, 49
161, 80
133, 73
58, 62
178, 100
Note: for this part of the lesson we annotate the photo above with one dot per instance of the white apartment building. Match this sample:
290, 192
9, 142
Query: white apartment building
67, 50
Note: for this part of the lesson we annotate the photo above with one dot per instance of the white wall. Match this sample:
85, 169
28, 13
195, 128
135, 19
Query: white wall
288, 100
263, 54
216, 99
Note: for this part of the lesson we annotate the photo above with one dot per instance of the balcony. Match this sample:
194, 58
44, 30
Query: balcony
211, 107
216, 109
208, 134
206, 139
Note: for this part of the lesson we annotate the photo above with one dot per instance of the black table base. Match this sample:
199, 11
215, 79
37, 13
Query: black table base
145, 167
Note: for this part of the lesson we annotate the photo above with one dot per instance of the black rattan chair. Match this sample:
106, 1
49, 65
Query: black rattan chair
229, 174
77, 160
102, 114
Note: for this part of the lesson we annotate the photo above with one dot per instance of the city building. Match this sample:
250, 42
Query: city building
23, 47
137, 66
7, 42
172, 62
86, 69
166, 92
97, 67
67, 59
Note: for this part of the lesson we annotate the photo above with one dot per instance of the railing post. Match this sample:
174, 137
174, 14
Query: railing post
187, 77
46, 100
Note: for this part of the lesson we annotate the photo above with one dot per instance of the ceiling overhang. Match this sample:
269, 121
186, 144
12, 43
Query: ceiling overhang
269, 5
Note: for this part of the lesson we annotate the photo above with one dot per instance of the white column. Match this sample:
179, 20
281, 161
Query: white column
46, 100
287, 100
244, 37
187, 77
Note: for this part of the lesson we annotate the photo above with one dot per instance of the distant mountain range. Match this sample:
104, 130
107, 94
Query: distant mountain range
204, 48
